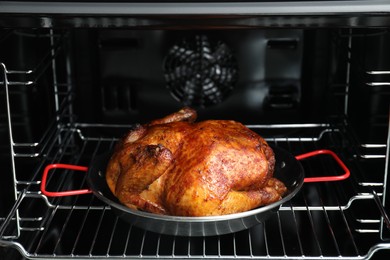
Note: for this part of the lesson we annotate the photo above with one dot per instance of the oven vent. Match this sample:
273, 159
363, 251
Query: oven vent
283, 95
200, 71
282, 44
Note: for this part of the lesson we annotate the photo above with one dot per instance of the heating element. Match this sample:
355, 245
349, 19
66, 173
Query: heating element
325, 220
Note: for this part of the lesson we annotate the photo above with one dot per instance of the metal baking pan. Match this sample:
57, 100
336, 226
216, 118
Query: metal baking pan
288, 169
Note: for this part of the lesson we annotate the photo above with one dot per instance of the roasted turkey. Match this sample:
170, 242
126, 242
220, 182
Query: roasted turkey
176, 166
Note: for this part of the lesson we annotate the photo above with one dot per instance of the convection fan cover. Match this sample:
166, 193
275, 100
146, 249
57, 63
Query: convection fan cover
199, 71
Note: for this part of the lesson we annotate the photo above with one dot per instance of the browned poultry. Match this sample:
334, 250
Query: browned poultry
175, 166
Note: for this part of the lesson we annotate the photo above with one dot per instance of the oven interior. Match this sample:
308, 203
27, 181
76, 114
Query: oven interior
67, 95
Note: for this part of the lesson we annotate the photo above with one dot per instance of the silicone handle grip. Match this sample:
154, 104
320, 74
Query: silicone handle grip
325, 178
62, 193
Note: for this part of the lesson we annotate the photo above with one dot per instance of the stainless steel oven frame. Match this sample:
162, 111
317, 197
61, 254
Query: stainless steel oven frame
346, 220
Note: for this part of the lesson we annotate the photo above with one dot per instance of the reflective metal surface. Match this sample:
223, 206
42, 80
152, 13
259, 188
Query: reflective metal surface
287, 169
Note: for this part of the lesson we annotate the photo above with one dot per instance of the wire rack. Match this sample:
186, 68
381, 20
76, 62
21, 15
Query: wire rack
324, 220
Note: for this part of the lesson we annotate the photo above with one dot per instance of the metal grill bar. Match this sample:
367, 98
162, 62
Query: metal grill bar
378, 84
142, 244
111, 237
86, 215
268, 255
311, 221
351, 237
296, 230
11, 141
9, 217
97, 231
331, 230
37, 172
64, 227
281, 235
77, 240
128, 239
47, 220
266, 240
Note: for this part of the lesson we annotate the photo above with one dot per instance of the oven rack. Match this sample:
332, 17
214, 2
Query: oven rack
289, 235
311, 226
71, 143
72, 222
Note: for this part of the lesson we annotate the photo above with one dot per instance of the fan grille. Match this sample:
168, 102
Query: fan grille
200, 72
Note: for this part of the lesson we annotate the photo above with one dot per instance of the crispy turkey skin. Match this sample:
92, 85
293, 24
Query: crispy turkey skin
176, 166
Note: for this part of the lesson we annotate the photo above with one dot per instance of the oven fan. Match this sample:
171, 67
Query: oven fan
200, 72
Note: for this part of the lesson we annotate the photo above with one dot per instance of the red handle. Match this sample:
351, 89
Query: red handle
325, 178
85, 191
62, 193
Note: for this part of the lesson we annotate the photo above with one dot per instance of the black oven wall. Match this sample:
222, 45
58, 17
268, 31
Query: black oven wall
280, 76
271, 75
